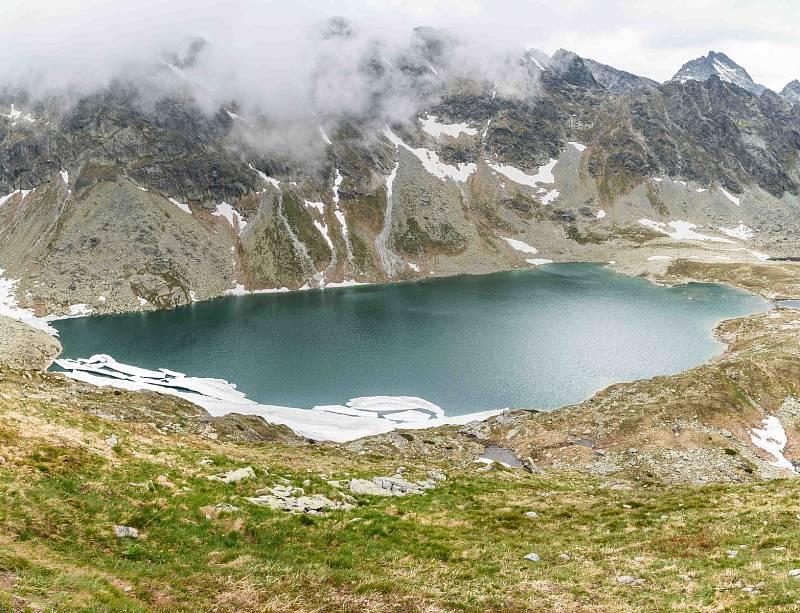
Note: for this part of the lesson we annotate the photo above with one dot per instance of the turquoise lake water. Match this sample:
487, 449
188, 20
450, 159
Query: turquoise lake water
529, 339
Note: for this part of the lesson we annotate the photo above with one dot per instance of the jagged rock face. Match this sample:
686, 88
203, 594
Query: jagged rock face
151, 203
720, 65
792, 92
617, 80
704, 131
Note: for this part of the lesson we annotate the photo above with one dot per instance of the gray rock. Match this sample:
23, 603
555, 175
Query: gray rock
388, 486
532, 514
626, 579
564, 557
233, 476
205, 462
368, 488
302, 504
437, 475
112, 441
530, 466
397, 485
795, 572
533, 557
122, 532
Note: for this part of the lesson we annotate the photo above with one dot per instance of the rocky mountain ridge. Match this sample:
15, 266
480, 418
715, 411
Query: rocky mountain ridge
118, 201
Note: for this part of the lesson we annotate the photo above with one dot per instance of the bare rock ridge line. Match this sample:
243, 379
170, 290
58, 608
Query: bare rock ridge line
112, 205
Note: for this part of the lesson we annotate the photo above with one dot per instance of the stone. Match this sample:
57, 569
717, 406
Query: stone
437, 475
732, 553
726, 433
626, 579
388, 486
795, 572
533, 557
205, 462
307, 483
564, 557
213, 511
164, 481
302, 504
530, 466
397, 484
112, 441
122, 532
532, 514
233, 476
368, 488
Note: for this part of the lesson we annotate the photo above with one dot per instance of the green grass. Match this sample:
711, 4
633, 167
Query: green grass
457, 548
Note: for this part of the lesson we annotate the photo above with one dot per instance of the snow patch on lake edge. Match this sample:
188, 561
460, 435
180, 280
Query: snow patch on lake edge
360, 417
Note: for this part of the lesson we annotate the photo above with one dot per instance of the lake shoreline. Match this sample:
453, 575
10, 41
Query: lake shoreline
579, 281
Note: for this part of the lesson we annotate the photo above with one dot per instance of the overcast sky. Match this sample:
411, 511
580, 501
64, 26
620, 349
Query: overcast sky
83, 38
648, 37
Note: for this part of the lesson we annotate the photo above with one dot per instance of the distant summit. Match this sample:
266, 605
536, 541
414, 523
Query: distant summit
792, 92
721, 65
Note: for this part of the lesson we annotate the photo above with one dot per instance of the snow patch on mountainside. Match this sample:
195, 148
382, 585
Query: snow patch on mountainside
543, 175
681, 230
8, 197
430, 161
729, 196
436, 129
9, 307
520, 246
232, 215
741, 232
772, 439
182, 206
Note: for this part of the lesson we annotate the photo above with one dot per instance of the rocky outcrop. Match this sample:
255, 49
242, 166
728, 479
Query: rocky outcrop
24, 347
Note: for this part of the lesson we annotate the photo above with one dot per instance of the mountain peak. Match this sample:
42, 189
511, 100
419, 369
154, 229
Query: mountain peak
719, 64
792, 91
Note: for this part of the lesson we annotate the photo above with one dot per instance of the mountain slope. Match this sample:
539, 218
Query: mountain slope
616, 80
130, 199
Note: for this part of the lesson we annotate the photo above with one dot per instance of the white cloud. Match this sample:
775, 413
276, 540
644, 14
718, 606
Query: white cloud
266, 51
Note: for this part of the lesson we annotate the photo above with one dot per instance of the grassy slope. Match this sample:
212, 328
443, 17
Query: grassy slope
460, 547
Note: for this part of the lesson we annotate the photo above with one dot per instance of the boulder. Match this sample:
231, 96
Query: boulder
232, 476
122, 532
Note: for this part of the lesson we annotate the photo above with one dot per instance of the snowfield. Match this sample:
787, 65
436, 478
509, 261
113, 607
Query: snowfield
520, 246
430, 161
431, 126
681, 230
